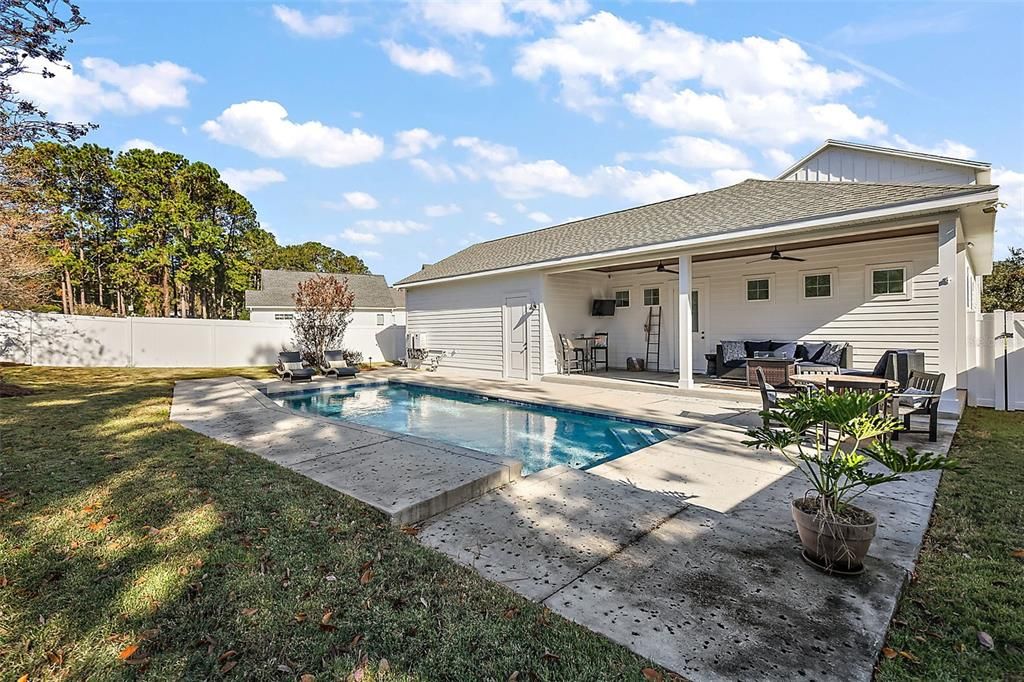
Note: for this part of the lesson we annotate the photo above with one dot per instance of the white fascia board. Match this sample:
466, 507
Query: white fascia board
769, 230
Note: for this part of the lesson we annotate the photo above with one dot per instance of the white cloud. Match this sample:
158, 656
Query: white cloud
525, 180
391, 226
754, 89
951, 148
139, 143
484, 150
521, 207
552, 10
494, 218
360, 201
485, 17
693, 152
320, 26
779, 158
370, 254
539, 217
433, 60
249, 180
104, 85
723, 177
263, 128
441, 210
413, 142
359, 237
1009, 220
640, 187
433, 171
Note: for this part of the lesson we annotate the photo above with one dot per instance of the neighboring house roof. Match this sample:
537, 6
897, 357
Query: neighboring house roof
399, 297
750, 204
978, 165
279, 286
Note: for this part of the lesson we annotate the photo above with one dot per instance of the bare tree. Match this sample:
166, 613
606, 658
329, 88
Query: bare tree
323, 305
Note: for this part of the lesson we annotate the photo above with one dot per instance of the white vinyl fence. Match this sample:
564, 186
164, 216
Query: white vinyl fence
998, 379
85, 341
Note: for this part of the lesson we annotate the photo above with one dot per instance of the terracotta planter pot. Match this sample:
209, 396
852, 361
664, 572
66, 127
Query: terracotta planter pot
832, 546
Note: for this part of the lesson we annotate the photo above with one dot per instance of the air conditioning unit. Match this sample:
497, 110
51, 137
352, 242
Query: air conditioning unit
416, 340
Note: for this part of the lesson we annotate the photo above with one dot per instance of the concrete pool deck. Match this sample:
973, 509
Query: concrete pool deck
683, 551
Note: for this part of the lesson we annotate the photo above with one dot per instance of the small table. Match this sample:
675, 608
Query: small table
590, 343
777, 371
821, 379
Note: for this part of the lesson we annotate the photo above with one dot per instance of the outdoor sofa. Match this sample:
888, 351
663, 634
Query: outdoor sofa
290, 367
731, 356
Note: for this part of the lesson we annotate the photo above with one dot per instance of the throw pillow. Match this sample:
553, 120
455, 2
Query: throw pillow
787, 351
752, 347
292, 366
732, 351
814, 349
832, 354
908, 398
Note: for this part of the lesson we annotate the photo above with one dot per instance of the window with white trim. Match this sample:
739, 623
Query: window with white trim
759, 289
818, 284
380, 319
652, 296
622, 298
888, 281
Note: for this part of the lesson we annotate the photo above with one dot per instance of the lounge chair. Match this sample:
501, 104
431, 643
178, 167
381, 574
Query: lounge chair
335, 365
290, 367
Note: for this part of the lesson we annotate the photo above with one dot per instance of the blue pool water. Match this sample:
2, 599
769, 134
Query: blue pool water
539, 436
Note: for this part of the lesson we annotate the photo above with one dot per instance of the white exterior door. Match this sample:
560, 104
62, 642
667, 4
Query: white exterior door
699, 325
517, 319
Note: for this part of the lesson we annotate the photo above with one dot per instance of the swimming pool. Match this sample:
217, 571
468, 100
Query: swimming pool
539, 436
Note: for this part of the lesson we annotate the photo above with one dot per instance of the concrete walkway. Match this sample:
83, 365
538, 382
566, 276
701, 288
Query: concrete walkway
684, 551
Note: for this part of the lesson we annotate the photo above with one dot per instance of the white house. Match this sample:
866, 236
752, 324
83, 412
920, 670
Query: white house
377, 325
894, 244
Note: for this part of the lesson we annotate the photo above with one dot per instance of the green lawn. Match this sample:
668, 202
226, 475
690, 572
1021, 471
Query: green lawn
119, 529
968, 578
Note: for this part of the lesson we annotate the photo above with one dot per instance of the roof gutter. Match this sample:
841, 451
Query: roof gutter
879, 213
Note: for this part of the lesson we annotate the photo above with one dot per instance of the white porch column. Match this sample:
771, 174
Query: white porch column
685, 323
949, 315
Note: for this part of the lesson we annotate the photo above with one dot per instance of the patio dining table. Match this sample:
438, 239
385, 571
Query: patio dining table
820, 380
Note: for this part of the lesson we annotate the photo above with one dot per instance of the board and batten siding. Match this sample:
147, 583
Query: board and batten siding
465, 320
851, 315
850, 165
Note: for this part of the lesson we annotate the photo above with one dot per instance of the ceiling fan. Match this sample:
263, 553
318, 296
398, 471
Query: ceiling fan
661, 268
777, 255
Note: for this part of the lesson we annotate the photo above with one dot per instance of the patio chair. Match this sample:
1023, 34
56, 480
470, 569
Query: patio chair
921, 396
769, 395
335, 365
573, 358
290, 367
599, 351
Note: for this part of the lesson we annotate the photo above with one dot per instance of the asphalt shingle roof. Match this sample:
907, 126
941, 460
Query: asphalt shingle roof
278, 287
747, 205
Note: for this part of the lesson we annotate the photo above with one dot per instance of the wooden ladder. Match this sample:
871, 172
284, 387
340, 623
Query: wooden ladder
654, 337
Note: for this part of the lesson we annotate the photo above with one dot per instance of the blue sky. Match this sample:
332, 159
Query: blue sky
402, 132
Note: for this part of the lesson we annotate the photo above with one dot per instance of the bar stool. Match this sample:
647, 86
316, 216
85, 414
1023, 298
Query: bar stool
600, 346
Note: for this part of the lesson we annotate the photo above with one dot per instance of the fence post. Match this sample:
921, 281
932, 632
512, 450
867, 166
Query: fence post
999, 376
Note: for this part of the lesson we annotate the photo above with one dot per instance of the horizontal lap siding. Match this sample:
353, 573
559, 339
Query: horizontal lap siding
870, 326
465, 318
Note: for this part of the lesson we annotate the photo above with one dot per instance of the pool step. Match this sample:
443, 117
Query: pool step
634, 437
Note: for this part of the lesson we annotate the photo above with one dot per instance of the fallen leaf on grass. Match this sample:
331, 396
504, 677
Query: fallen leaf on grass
986, 641
548, 656
366, 576
249, 612
299, 617
384, 667
23, 678
55, 657
127, 652
651, 674
910, 657
230, 653
102, 523
307, 678
325, 622
228, 666
330, 578
1017, 554
355, 642
410, 530
514, 677
510, 613
889, 652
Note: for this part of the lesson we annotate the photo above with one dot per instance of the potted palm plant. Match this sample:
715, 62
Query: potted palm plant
832, 438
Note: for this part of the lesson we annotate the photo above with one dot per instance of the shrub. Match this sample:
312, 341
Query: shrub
93, 309
353, 358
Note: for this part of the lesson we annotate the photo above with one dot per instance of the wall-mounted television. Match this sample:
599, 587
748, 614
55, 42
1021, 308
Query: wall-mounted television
603, 307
